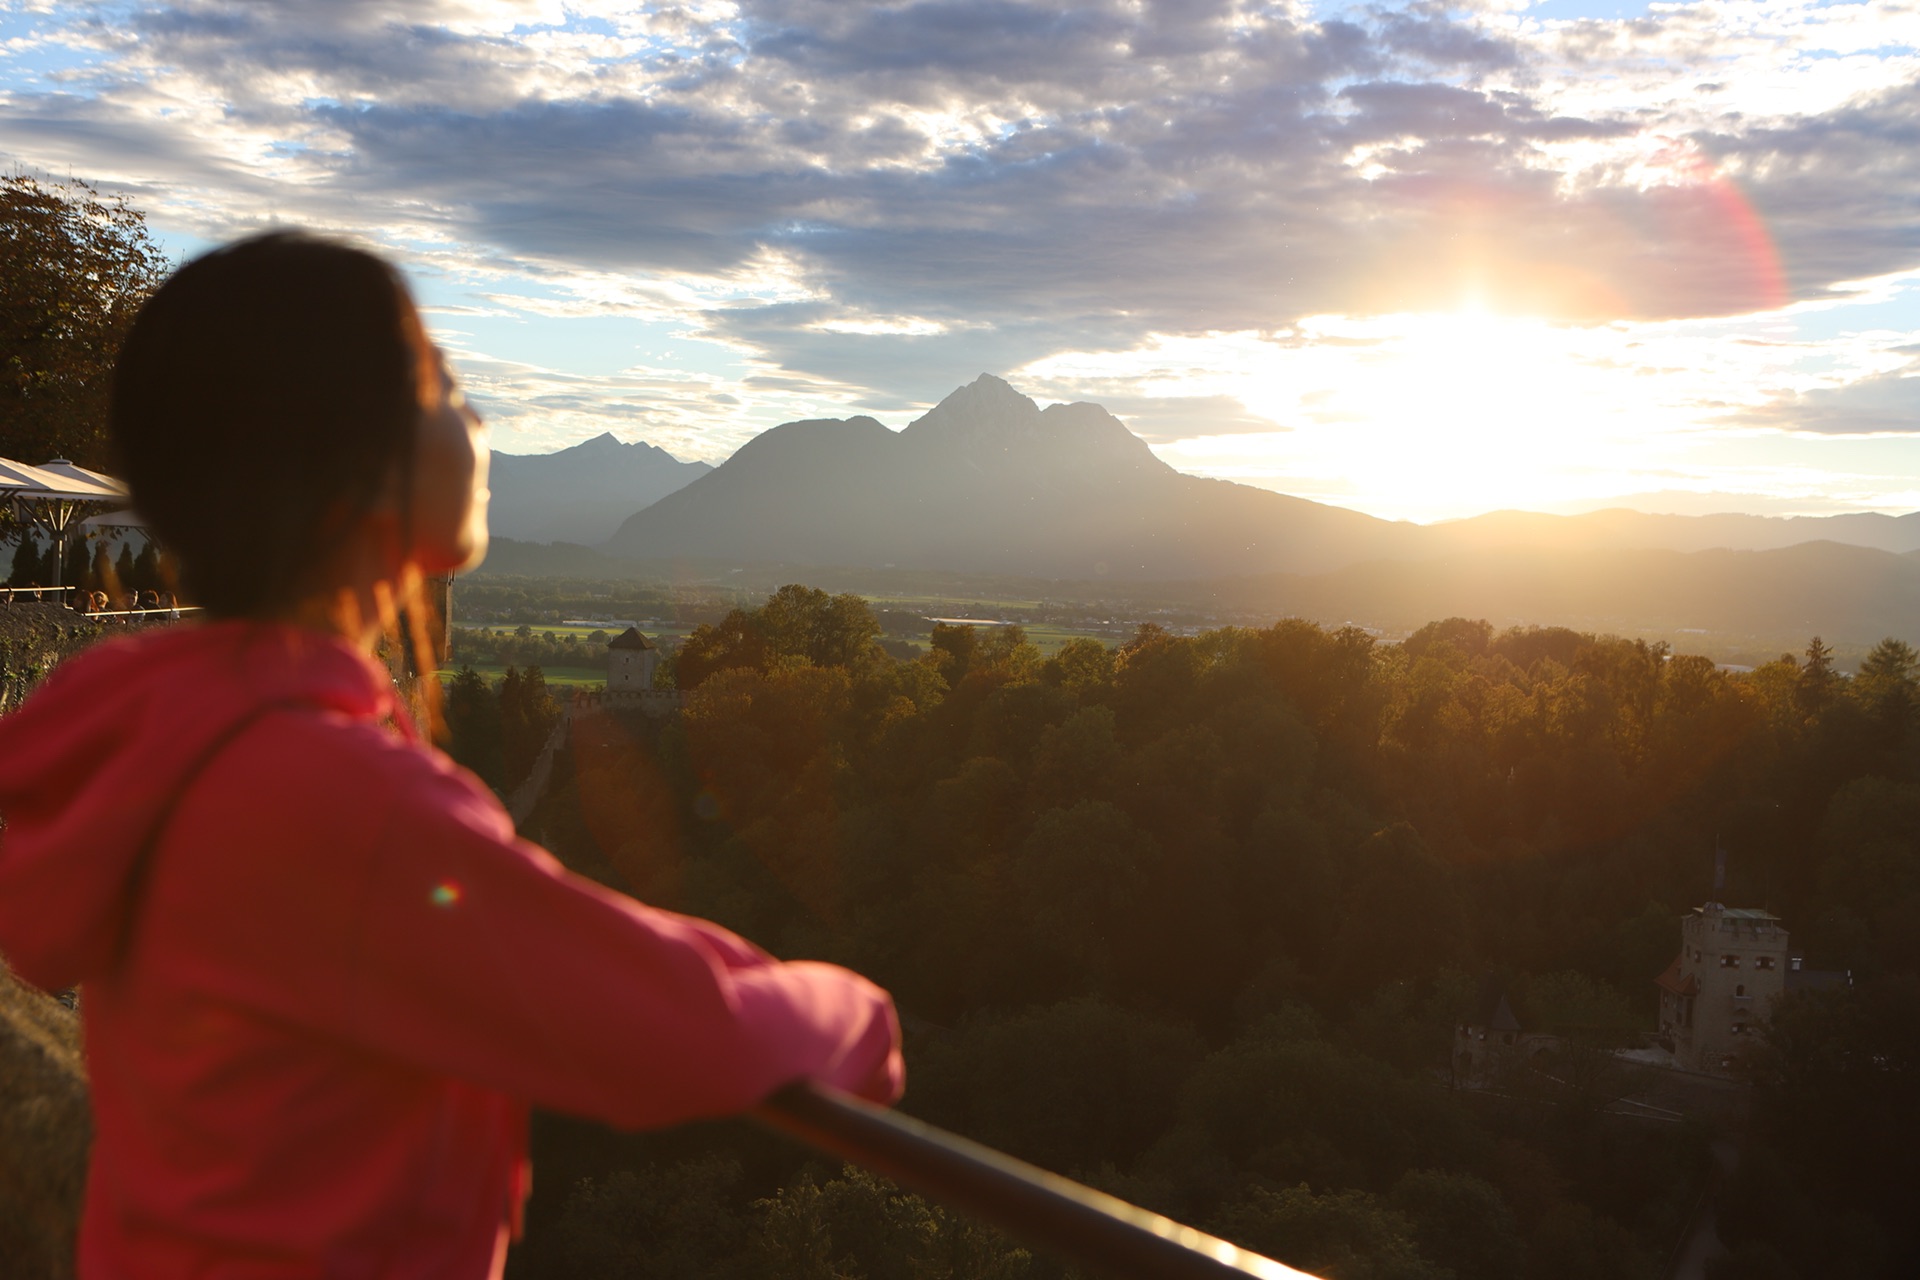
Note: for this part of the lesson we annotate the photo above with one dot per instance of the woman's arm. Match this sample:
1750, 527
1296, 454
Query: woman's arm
406, 917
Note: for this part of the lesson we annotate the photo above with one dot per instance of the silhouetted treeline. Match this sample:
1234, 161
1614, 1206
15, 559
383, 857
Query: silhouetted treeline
1194, 920
496, 729
93, 563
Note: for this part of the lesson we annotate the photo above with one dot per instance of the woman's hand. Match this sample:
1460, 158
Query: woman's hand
869, 1064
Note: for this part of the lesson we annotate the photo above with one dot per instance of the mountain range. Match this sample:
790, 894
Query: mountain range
581, 494
987, 482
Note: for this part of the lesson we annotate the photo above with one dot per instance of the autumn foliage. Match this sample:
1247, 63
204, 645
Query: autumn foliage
1194, 920
74, 269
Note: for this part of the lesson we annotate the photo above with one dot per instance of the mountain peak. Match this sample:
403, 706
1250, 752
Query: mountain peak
987, 405
581, 493
988, 388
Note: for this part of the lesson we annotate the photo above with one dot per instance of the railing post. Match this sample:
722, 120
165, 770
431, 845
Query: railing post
1041, 1208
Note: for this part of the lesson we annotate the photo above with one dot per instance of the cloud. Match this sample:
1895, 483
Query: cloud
1188, 164
1878, 404
1835, 192
877, 200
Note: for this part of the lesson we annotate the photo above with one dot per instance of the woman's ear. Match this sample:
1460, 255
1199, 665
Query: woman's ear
448, 508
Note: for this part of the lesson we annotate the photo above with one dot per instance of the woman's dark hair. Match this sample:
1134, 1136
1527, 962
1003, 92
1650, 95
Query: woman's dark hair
265, 396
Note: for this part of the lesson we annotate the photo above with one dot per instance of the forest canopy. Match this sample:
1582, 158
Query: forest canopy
1195, 919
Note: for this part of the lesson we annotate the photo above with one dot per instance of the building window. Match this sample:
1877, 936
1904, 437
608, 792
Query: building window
1740, 990
1729, 962
1764, 962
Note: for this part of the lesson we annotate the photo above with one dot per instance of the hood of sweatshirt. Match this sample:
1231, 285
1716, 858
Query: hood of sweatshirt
92, 763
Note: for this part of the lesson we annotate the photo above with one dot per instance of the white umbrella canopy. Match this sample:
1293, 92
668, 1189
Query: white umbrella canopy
125, 519
17, 478
54, 495
75, 481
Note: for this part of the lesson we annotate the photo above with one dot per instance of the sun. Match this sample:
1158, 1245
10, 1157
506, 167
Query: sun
1431, 415
1447, 413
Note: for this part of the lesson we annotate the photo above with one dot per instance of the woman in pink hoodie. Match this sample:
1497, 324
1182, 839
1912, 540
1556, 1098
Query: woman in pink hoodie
322, 979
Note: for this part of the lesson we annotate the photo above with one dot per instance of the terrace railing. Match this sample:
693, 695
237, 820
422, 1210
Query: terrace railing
1040, 1208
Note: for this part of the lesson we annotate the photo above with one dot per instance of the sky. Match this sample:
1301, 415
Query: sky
1418, 259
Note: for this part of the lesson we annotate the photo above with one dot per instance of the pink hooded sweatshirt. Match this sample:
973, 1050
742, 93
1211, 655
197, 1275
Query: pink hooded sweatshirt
322, 979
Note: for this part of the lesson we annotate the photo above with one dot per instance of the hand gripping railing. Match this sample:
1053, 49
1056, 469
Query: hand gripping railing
1041, 1208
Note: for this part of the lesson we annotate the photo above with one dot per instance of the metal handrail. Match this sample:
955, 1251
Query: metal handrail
40, 594
1044, 1209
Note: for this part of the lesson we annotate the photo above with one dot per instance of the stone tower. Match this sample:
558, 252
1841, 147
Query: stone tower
1719, 991
631, 658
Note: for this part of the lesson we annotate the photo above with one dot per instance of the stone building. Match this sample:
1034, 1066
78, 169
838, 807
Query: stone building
1484, 1040
631, 658
1719, 991
631, 662
1489, 1042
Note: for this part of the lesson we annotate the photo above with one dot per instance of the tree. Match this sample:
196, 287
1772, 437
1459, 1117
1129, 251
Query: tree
1461, 1222
1887, 685
828, 631
74, 270
32, 564
1827, 1178
951, 650
147, 573
101, 575
657, 1223
1069, 1087
1349, 1234
1818, 679
797, 625
1082, 666
733, 642
473, 725
860, 1225
1891, 659
79, 565
528, 713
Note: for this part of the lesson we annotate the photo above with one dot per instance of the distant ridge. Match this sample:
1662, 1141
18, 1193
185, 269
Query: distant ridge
1781, 594
581, 494
988, 482
1624, 530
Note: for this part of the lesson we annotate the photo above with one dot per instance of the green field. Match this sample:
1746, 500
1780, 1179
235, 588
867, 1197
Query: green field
571, 677
560, 630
